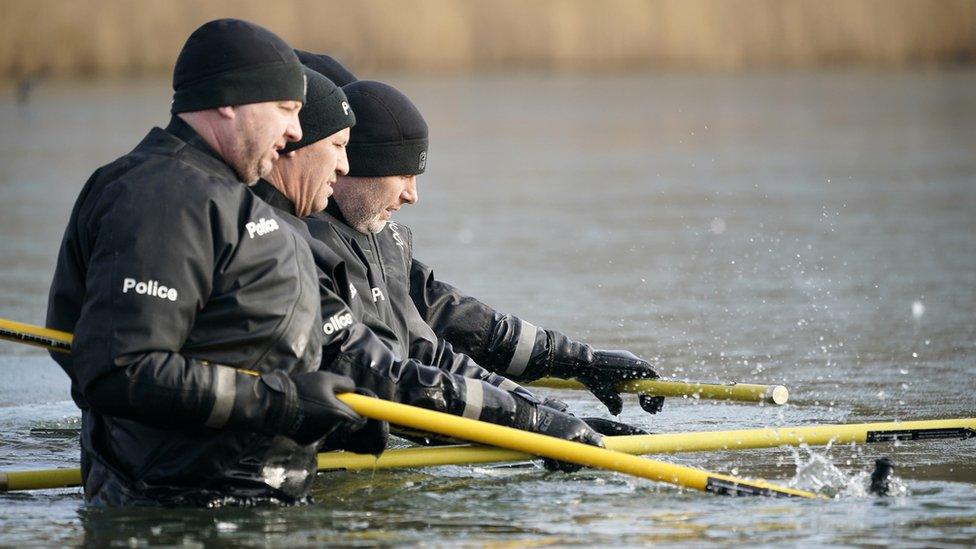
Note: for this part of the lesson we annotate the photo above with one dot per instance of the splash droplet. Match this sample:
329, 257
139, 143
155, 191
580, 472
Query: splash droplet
718, 225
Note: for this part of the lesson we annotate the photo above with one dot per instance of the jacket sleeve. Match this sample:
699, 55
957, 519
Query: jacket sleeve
441, 354
500, 342
150, 271
352, 349
361, 355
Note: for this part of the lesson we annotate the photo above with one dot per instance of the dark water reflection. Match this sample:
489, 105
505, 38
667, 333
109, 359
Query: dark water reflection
815, 230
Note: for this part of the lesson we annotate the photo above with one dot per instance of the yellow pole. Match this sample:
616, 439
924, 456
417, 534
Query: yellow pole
37, 336
563, 450
512, 439
57, 340
741, 392
819, 435
669, 443
40, 479
493, 435
703, 441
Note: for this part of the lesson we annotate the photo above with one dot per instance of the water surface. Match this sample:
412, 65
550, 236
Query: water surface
809, 229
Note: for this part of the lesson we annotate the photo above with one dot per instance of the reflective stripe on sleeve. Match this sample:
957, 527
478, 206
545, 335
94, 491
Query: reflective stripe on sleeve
508, 385
225, 389
523, 350
474, 398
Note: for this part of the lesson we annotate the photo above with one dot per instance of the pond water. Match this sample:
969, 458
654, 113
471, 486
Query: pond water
808, 229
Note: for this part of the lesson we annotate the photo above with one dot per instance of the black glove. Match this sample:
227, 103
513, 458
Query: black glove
611, 367
308, 406
549, 421
610, 428
606, 427
369, 439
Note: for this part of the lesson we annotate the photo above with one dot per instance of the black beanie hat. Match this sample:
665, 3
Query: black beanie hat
326, 111
390, 136
327, 67
230, 62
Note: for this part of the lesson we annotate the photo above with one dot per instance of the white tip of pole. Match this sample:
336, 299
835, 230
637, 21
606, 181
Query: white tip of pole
777, 394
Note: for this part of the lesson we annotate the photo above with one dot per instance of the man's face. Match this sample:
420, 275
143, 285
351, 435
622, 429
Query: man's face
368, 203
260, 130
310, 180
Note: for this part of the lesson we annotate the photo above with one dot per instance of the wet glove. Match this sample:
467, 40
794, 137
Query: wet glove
544, 420
610, 428
599, 371
606, 427
607, 369
307, 407
369, 439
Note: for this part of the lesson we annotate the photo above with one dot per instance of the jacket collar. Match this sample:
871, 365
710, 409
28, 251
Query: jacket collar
270, 194
185, 133
332, 208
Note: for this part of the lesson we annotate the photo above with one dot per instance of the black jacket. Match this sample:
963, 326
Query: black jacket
180, 286
429, 315
381, 286
367, 350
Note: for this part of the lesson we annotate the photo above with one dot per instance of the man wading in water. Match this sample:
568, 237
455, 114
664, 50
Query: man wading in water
195, 308
387, 151
301, 184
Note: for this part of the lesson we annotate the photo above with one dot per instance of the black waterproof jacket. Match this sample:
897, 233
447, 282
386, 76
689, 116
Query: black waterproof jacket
366, 349
380, 287
428, 315
180, 287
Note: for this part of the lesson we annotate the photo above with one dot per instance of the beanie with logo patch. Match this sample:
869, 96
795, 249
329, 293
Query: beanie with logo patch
326, 111
229, 62
390, 136
327, 66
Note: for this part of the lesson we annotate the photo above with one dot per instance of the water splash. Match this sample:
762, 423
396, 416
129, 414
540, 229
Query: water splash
918, 309
817, 473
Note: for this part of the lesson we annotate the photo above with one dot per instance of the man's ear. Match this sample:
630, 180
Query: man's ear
227, 112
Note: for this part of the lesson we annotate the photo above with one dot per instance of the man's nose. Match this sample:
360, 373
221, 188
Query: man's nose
342, 167
409, 194
293, 132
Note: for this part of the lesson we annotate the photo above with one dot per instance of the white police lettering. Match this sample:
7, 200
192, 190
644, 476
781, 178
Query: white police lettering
337, 322
396, 235
423, 160
345, 108
150, 287
378, 295
352, 291
261, 227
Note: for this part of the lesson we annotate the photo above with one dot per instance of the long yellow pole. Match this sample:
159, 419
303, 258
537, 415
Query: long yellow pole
41, 479
741, 392
59, 341
563, 450
524, 442
813, 435
532, 443
668, 443
18, 332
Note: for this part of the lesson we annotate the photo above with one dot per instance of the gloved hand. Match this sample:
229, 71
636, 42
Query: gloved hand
606, 427
610, 428
369, 439
611, 367
308, 405
549, 421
